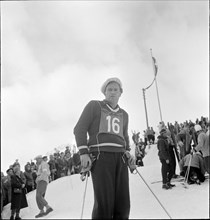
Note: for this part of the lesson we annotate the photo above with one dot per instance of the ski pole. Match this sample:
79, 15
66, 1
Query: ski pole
83, 202
188, 170
153, 194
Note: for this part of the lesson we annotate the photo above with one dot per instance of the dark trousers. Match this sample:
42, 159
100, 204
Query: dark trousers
111, 187
166, 171
172, 159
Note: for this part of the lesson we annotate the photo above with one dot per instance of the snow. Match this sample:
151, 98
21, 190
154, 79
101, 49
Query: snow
66, 194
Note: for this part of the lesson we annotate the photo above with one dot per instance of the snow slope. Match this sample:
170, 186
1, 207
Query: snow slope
65, 195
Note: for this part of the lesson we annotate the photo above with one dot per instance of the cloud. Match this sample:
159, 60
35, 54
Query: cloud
56, 55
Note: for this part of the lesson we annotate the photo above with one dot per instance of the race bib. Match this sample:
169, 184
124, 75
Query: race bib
111, 123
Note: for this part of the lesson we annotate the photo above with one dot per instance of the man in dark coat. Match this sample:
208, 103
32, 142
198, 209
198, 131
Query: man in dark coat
18, 199
164, 156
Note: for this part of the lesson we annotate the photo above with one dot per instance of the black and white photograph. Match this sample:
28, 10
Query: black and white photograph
105, 109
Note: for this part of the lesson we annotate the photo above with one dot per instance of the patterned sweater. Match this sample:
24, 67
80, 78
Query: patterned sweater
107, 129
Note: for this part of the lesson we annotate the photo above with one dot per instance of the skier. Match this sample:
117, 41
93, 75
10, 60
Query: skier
106, 152
196, 169
164, 156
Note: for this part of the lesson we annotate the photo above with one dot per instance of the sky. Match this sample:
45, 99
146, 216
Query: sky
55, 56
179, 202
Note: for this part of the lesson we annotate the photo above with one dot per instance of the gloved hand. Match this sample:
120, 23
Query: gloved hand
131, 161
86, 165
85, 161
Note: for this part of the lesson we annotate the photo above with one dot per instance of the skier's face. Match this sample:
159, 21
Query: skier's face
113, 92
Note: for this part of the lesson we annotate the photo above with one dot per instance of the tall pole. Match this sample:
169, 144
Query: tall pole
156, 86
145, 108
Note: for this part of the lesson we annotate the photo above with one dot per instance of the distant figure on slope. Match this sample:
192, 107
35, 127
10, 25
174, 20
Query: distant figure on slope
140, 153
184, 140
151, 135
107, 127
42, 181
197, 168
203, 145
164, 156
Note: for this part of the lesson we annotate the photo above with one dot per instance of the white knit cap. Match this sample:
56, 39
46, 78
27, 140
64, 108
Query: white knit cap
114, 79
197, 127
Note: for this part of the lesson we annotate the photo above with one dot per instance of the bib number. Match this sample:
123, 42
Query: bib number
113, 124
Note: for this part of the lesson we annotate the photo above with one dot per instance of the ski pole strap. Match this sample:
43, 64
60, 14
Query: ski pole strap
83, 175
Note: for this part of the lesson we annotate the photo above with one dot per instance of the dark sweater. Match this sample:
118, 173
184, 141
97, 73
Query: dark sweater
112, 137
163, 148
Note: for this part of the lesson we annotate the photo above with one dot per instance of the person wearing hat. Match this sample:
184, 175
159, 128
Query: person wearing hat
203, 145
42, 181
105, 152
164, 156
18, 195
7, 185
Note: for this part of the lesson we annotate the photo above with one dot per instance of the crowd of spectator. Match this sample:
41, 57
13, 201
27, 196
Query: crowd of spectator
188, 144
60, 163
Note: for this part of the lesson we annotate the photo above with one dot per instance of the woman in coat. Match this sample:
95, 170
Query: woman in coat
18, 199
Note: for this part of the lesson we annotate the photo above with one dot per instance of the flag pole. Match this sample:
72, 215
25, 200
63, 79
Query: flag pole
145, 108
156, 86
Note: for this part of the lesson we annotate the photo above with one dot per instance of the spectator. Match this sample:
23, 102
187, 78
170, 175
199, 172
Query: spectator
151, 135
139, 153
76, 163
61, 164
58, 165
67, 150
203, 145
172, 157
29, 178
145, 138
18, 198
7, 186
184, 141
45, 158
2, 192
34, 173
164, 156
42, 182
52, 167
68, 162
196, 169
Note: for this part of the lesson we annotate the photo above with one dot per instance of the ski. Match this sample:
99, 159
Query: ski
175, 143
179, 179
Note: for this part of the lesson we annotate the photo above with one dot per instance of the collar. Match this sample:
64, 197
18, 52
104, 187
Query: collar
112, 109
